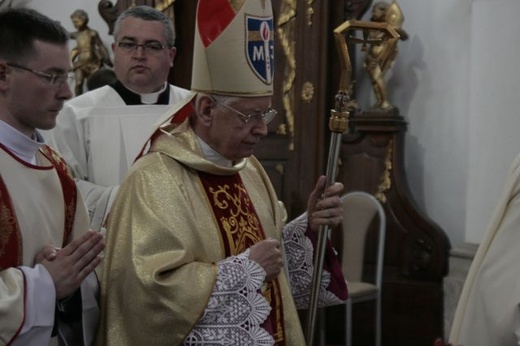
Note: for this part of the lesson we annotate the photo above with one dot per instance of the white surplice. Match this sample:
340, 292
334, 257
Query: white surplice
100, 136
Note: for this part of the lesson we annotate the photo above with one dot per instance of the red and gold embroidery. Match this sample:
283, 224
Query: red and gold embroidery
70, 192
10, 236
240, 228
11, 250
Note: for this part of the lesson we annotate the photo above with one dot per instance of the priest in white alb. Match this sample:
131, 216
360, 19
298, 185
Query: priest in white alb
101, 132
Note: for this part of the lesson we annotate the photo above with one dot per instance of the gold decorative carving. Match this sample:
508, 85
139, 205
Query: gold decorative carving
382, 51
89, 54
310, 12
307, 92
279, 168
286, 33
163, 5
347, 32
385, 182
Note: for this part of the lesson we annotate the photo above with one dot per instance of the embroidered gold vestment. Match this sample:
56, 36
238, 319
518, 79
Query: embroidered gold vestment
164, 242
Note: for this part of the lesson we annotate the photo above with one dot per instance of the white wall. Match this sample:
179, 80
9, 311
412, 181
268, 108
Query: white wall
495, 94
463, 117
455, 81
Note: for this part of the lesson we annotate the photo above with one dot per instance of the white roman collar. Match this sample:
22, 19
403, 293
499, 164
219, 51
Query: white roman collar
19, 144
151, 98
213, 156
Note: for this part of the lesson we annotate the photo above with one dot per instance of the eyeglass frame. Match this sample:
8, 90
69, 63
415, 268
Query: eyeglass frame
53, 79
146, 47
246, 118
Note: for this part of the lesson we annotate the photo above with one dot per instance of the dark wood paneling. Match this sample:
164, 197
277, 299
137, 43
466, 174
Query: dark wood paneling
185, 28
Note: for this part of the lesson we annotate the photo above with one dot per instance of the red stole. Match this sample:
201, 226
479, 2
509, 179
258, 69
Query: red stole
240, 228
10, 236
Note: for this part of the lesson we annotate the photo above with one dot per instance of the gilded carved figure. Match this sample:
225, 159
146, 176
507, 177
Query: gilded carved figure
380, 54
89, 54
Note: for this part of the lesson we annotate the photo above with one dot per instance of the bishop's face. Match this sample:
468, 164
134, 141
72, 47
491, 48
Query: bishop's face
229, 134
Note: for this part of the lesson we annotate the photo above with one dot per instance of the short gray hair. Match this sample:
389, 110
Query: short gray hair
149, 14
224, 99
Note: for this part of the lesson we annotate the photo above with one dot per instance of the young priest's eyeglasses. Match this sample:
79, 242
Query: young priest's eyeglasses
266, 116
53, 79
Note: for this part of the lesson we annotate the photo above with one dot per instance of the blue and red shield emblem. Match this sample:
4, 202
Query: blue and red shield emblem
260, 47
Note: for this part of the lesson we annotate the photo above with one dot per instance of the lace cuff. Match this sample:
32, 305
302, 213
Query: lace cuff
236, 308
299, 252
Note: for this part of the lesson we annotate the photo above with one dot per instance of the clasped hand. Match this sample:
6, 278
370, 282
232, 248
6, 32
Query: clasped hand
268, 255
68, 267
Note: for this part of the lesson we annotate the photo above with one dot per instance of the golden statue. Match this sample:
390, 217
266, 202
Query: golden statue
89, 54
381, 53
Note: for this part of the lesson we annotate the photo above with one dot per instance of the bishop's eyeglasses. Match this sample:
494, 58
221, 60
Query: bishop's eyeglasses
266, 116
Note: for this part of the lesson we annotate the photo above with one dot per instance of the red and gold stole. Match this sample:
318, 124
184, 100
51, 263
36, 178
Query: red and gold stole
240, 228
68, 186
10, 236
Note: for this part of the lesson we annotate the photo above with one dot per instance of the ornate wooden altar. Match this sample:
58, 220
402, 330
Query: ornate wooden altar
372, 159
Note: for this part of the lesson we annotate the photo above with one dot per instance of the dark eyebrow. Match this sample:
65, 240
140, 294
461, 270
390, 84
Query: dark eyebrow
134, 40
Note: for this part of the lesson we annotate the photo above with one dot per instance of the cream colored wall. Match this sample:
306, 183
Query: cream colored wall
455, 81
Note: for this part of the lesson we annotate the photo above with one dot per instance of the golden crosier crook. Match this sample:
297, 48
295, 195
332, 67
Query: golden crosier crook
338, 124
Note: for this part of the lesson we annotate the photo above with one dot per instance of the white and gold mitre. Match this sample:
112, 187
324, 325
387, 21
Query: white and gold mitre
234, 48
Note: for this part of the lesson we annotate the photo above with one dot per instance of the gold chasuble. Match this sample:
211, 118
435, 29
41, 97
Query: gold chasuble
240, 229
177, 268
176, 216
